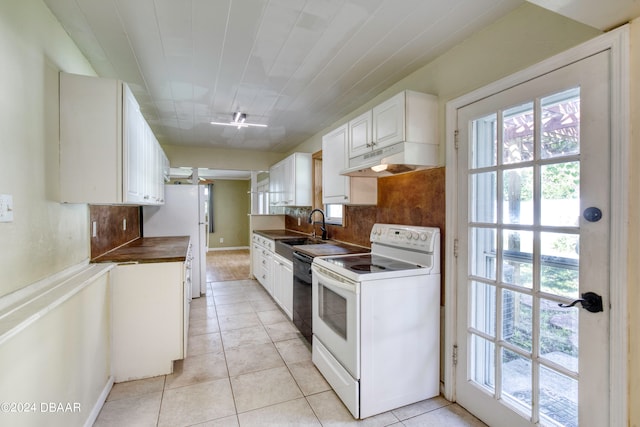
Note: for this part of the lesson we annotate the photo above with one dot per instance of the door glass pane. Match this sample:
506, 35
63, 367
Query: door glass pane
559, 334
516, 319
558, 398
517, 134
518, 196
559, 264
483, 252
483, 309
483, 197
516, 381
524, 212
482, 361
517, 258
484, 141
333, 311
560, 117
560, 204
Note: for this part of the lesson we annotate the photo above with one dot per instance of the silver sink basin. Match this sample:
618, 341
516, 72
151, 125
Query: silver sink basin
284, 247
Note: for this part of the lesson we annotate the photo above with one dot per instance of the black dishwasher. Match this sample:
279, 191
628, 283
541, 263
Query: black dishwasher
302, 305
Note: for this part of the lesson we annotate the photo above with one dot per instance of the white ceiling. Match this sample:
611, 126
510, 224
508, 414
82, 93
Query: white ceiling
297, 66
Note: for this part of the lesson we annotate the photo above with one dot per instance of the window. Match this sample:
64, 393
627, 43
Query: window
334, 213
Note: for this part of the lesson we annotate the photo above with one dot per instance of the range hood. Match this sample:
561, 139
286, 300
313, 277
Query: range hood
393, 159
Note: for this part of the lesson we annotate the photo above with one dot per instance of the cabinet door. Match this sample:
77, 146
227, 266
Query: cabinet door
388, 121
276, 178
288, 181
133, 147
267, 271
255, 261
360, 136
147, 319
286, 287
335, 187
165, 168
151, 166
282, 284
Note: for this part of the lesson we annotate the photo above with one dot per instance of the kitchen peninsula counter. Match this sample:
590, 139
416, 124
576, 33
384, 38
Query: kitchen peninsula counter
149, 250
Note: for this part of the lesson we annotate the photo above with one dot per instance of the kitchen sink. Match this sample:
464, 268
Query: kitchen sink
284, 247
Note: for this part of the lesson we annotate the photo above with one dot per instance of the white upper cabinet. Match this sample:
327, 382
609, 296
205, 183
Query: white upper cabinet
389, 121
340, 189
290, 181
134, 141
408, 116
360, 138
108, 154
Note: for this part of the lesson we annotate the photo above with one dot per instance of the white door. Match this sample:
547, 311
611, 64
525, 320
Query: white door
533, 225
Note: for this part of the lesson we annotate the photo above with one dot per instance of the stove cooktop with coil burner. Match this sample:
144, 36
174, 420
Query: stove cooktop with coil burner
396, 251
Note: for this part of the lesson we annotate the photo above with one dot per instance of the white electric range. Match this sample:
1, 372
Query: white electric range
376, 320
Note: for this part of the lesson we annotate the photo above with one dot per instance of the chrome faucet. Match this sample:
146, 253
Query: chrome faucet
324, 226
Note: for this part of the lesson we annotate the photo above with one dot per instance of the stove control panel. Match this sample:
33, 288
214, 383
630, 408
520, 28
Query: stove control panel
406, 236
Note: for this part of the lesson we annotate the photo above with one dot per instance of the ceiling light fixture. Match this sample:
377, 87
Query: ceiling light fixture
239, 120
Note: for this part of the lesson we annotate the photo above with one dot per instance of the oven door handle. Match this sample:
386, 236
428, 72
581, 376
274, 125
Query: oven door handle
331, 280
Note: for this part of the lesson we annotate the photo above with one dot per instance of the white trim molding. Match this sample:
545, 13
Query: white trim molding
617, 43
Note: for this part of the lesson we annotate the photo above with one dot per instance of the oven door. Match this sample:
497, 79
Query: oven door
336, 317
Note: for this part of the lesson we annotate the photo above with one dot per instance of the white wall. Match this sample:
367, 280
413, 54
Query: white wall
45, 237
62, 357
220, 158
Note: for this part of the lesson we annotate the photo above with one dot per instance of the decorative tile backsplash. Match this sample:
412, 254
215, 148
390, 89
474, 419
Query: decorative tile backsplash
416, 198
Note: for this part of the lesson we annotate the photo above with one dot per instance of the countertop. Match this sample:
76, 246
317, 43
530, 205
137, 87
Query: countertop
328, 247
148, 250
280, 234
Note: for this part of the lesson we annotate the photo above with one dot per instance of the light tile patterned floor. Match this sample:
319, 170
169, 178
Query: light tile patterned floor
249, 366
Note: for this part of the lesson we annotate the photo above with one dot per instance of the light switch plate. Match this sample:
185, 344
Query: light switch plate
6, 208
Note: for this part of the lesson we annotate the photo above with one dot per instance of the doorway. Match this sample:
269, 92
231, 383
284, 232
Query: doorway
534, 231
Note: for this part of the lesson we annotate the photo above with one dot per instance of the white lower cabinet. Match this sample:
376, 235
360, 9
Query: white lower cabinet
261, 252
283, 284
150, 310
274, 272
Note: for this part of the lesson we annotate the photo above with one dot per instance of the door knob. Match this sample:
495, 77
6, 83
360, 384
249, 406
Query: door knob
590, 301
592, 214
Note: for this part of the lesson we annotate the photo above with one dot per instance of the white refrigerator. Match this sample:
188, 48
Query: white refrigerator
184, 213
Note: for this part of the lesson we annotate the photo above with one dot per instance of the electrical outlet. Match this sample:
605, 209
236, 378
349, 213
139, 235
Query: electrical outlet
6, 208
222, 240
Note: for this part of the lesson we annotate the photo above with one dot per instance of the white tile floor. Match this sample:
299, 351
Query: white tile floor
249, 366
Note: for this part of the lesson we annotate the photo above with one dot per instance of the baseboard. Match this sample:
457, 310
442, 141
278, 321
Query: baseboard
95, 411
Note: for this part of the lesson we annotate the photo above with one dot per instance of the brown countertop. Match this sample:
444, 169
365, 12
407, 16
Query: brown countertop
330, 248
326, 248
280, 234
149, 249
